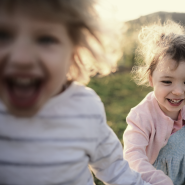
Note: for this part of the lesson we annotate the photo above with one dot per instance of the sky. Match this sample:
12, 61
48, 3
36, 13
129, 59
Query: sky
125, 10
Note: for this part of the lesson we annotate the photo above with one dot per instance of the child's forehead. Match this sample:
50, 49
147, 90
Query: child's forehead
42, 10
168, 64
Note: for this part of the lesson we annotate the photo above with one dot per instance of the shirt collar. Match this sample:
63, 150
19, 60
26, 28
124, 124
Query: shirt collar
178, 124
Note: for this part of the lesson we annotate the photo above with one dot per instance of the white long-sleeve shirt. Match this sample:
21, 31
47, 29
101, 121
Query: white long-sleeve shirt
57, 145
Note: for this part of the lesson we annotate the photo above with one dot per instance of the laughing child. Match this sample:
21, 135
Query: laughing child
51, 126
159, 118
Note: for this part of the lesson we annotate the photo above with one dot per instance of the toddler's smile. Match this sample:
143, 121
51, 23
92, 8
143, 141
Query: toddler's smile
23, 90
175, 102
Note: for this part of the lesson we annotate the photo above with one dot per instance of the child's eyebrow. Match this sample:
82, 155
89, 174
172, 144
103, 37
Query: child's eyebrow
166, 77
6, 25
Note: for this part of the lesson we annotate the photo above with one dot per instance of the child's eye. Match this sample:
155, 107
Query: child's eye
5, 37
167, 82
47, 40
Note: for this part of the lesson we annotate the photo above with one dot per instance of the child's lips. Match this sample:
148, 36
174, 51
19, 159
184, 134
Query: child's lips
23, 91
175, 102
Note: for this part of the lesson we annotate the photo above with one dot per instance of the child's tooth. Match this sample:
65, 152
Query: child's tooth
23, 81
175, 101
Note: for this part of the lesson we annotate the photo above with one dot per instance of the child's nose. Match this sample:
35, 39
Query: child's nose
21, 53
178, 90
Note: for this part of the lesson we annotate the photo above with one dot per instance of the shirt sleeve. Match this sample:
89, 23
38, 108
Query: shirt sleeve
136, 139
107, 162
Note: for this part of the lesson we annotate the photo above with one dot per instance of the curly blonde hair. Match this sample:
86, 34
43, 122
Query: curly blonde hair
82, 23
156, 42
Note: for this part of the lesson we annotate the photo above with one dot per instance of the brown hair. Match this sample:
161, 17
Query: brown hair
81, 21
156, 42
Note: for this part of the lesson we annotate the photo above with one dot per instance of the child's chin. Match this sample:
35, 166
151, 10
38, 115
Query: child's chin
21, 108
28, 112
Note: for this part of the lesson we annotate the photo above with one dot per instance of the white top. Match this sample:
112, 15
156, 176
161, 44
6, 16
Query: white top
57, 145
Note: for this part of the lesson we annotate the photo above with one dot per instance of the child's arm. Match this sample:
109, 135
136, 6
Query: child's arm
107, 161
110, 167
136, 139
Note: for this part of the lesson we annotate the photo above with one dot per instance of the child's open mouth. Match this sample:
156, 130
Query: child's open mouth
175, 102
23, 91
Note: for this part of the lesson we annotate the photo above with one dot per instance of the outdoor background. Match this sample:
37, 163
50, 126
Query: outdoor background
117, 91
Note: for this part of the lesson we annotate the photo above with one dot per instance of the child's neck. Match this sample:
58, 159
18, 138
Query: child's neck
174, 115
66, 85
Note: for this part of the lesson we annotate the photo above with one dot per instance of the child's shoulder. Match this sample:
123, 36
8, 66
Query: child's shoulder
143, 114
85, 100
146, 107
85, 94
76, 99
147, 101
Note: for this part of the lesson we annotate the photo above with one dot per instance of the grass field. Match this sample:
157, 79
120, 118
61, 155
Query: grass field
119, 94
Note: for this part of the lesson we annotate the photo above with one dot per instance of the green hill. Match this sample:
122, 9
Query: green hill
132, 28
177, 17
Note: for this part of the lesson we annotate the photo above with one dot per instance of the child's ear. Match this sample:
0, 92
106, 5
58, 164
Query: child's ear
72, 60
150, 81
73, 55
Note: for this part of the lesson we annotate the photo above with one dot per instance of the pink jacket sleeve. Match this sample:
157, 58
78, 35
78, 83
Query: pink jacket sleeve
136, 139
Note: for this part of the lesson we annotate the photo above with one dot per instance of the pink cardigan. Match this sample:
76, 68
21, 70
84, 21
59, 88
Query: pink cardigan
147, 132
